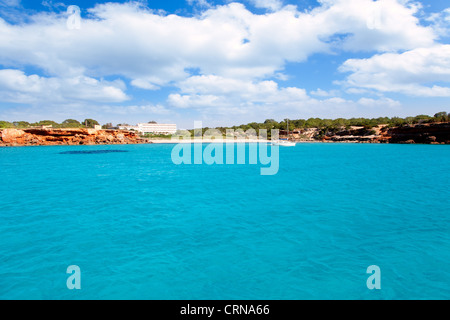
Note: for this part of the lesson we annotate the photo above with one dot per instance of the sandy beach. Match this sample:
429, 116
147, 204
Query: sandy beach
169, 141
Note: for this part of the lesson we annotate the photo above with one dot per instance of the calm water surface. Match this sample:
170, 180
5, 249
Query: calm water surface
140, 227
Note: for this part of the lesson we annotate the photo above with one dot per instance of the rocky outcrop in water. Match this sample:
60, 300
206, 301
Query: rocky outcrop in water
33, 137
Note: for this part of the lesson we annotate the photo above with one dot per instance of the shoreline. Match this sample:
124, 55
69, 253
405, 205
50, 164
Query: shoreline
197, 141
162, 142
191, 141
434, 134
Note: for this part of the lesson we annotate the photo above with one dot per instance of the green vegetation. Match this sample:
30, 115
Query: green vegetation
442, 116
6, 125
69, 123
107, 126
90, 123
21, 124
325, 126
45, 123
329, 125
156, 136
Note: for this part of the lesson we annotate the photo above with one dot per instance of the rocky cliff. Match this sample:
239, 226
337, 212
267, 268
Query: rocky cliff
30, 137
435, 133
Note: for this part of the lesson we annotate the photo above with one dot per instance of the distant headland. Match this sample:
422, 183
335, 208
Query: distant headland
421, 129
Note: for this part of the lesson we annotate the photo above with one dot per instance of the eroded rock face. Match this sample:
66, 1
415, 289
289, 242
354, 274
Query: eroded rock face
12, 135
29, 137
435, 133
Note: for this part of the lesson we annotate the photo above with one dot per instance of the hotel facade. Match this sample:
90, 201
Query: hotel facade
152, 128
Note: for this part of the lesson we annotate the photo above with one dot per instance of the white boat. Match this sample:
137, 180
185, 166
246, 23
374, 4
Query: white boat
285, 143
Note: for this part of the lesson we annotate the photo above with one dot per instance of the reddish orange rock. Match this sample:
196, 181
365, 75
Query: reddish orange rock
12, 135
75, 136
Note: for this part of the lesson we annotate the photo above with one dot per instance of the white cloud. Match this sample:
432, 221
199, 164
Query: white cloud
16, 86
383, 25
10, 3
386, 102
225, 99
229, 41
103, 113
146, 109
273, 5
194, 101
441, 22
234, 50
322, 93
201, 3
144, 84
204, 91
218, 99
413, 72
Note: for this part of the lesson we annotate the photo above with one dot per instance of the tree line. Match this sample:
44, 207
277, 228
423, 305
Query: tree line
269, 124
69, 123
340, 123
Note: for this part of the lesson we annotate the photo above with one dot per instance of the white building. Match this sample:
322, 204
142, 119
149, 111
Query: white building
157, 128
153, 128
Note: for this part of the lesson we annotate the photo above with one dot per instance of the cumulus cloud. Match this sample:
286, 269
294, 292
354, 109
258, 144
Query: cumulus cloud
258, 100
133, 41
201, 3
375, 103
10, 3
232, 50
412, 72
322, 93
384, 25
104, 113
16, 86
273, 5
158, 110
204, 91
441, 22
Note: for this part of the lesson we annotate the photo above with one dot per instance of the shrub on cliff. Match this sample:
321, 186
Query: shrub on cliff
21, 124
46, 123
6, 125
90, 123
441, 116
71, 123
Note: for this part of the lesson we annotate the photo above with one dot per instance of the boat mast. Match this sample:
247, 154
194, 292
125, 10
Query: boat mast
287, 127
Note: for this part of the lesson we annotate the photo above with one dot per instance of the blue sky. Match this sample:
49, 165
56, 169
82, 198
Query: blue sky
223, 62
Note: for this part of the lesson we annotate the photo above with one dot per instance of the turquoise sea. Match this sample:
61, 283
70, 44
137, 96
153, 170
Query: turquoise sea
141, 227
